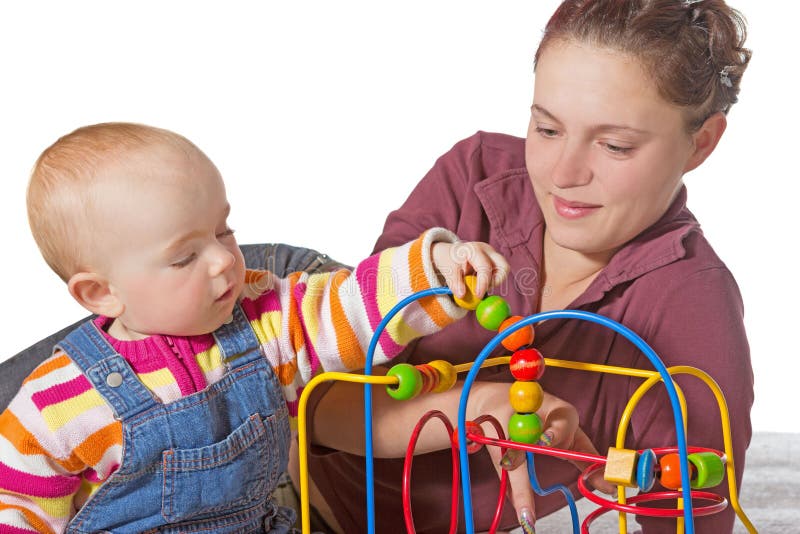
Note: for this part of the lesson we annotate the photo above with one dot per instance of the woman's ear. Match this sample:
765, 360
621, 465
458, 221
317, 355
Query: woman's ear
705, 140
94, 293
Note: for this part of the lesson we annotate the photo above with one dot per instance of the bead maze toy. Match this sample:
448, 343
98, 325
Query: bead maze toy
685, 471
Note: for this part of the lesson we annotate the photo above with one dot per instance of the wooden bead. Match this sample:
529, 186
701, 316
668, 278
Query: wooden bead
447, 375
430, 378
670, 473
527, 364
520, 338
492, 311
646, 470
621, 467
472, 428
470, 300
525, 397
410, 382
709, 469
524, 428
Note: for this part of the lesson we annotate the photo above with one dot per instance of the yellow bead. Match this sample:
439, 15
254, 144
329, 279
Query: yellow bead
525, 397
621, 467
470, 300
447, 375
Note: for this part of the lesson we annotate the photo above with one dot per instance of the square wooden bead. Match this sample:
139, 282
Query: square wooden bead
621, 467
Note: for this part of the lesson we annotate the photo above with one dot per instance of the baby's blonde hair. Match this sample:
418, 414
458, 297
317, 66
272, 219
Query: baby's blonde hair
60, 198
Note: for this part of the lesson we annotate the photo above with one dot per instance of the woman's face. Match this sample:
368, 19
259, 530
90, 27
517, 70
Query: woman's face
604, 151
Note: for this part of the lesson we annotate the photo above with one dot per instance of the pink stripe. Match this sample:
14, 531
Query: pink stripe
15, 530
294, 405
61, 392
299, 292
367, 276
254, 309
46, 487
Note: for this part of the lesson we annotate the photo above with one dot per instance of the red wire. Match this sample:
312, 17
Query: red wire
498, 428
409, 519
720, 503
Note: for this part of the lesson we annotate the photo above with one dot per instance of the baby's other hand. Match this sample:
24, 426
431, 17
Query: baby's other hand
454, 261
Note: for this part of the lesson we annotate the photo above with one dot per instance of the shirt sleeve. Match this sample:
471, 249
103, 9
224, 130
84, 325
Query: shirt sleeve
310, 323
47, 464
699, 322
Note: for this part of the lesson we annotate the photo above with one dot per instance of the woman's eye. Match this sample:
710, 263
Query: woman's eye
616, 149
228, 232
185, 261
546, 132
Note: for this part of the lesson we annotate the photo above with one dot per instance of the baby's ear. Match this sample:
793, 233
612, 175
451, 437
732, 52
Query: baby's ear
93, 292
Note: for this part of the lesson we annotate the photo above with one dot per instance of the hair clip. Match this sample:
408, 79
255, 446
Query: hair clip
723, 76
687, 3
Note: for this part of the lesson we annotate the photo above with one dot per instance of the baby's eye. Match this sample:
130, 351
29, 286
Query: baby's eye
226, 233
185, 261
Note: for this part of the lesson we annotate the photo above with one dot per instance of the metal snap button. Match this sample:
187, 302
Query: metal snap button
114, 380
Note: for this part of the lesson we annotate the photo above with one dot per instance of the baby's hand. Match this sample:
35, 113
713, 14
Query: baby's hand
453, 261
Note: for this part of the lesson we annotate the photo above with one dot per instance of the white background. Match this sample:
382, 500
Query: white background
322, 116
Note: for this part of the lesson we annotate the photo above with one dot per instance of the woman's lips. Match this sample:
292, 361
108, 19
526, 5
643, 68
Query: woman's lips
569, 209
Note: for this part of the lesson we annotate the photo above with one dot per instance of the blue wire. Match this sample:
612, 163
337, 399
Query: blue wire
620, 329
462, 408
573, 509
368, 449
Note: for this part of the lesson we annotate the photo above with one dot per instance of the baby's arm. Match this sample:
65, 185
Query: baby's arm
310, 323
45, 446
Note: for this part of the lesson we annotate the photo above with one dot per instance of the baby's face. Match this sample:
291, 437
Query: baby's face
174, 263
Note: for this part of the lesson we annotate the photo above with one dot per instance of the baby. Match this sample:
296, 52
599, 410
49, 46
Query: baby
170, 411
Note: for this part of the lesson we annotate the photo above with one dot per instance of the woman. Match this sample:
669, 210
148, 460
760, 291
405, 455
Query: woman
590, 211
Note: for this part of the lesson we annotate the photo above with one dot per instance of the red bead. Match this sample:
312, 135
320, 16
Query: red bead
430, 378
520, 338
472, 428
527, 364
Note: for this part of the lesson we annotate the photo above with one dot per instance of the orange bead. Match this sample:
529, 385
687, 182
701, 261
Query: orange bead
670, 474
525, 397
520, 338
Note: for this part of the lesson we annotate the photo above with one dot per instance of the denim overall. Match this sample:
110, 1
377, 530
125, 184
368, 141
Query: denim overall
207, 462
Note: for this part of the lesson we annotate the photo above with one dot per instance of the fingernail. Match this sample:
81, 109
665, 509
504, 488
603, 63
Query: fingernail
546, 439
526, 521
512, 459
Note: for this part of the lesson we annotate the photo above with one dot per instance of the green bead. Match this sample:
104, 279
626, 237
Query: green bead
410, 382
525, 428
492, 311
709, 467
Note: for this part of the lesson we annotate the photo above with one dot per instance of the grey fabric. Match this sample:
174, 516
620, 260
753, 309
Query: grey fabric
279, 258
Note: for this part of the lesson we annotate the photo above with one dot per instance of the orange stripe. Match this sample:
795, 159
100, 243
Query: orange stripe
33, 520
346, 341
286, 372
251, 276
85, 455
295, 328
419, 282
93, 448
15, 432
56, 363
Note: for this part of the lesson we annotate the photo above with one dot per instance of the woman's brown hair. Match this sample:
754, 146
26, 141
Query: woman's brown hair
693, 50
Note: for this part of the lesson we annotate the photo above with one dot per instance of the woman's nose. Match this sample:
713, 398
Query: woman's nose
572, 168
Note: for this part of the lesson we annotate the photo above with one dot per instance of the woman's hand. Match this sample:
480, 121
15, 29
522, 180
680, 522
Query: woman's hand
560, 429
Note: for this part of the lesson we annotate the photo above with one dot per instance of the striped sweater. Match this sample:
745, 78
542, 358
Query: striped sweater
59, 440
